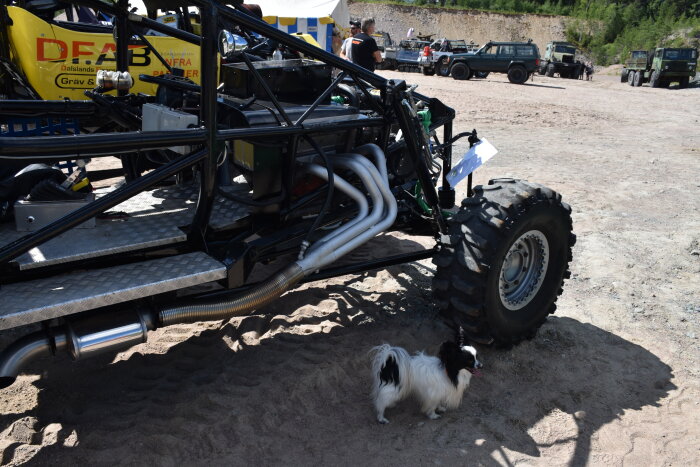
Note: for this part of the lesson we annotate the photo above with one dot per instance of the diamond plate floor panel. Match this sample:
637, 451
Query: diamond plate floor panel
154, 220
43, 299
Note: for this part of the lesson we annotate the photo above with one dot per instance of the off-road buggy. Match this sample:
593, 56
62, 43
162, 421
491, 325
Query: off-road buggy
291, 162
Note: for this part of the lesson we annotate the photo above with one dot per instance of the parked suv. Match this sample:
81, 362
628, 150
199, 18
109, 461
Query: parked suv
518, 59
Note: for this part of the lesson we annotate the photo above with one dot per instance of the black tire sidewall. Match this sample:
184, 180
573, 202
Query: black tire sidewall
517, 75
512, 323
442, 68
462, 71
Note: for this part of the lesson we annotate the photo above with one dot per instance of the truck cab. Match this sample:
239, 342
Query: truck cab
559, 58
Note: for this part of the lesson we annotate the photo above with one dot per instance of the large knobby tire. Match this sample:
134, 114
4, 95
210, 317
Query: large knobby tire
655, 81
683, 82
502, 265
442, 68
460, 71
517, 74
638, 78
623, 75
550, 70
630, 77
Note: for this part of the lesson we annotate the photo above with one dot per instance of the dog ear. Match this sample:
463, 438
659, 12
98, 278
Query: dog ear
447, 351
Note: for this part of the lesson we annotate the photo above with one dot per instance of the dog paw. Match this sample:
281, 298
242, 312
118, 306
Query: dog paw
433, 416
382, 420
441, 409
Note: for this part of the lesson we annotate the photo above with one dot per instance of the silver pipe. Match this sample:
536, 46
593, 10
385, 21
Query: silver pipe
22, 351
82, 337
375, 151
386, 222
261, 296
347, 188
101, 333
326, 253
362, 224
317, 255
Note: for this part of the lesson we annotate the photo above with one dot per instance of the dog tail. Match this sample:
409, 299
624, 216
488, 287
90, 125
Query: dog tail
389, 365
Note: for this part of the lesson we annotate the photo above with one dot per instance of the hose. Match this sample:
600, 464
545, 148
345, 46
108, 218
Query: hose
252, 300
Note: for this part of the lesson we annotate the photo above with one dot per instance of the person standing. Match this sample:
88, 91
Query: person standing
365, 51
346, 48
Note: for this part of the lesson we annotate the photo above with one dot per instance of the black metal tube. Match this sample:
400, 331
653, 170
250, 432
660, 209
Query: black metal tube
190, 87
370, 99
121, 37
27, 108
97, 144
155, 52
268, 91
167, 30
370, 265
103, 144
205, 201
320, 98
447, 154
26, 243
414, 146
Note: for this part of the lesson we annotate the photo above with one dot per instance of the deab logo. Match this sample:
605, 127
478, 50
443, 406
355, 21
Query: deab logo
87, 53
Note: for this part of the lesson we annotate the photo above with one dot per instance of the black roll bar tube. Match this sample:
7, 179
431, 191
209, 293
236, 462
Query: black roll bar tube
105, 144
207, 120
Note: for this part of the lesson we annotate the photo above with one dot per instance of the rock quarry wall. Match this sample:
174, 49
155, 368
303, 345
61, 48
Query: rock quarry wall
477, 26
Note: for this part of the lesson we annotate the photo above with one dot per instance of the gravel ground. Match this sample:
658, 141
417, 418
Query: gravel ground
612, 378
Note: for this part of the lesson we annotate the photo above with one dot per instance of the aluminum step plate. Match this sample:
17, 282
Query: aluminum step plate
154, 219
43, 299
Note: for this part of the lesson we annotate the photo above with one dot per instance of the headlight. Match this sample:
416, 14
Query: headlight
691, 66
666, 67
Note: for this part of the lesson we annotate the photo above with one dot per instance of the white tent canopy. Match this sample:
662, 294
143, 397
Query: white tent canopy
336, 9
314, 17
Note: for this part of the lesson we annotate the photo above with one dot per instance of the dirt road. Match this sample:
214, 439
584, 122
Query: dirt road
613, 378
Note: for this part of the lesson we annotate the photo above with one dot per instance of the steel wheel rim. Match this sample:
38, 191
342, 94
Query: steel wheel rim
523, 270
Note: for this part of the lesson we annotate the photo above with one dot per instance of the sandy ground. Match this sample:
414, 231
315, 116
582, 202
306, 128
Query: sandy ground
612, 379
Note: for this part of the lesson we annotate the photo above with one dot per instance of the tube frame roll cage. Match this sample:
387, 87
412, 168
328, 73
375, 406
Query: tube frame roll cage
393, 106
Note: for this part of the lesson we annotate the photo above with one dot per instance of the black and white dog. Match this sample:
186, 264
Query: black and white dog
438, 383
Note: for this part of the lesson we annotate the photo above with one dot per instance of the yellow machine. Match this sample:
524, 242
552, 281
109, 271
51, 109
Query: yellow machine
61, 63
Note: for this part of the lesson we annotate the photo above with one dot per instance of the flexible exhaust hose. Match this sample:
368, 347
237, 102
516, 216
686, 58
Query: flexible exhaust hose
257, 298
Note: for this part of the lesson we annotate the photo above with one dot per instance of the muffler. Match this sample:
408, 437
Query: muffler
81, 337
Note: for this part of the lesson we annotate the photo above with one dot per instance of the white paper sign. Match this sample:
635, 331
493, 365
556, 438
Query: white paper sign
472, 160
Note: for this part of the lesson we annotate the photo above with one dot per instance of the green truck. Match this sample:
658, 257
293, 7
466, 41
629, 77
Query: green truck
660, 67
559, 58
